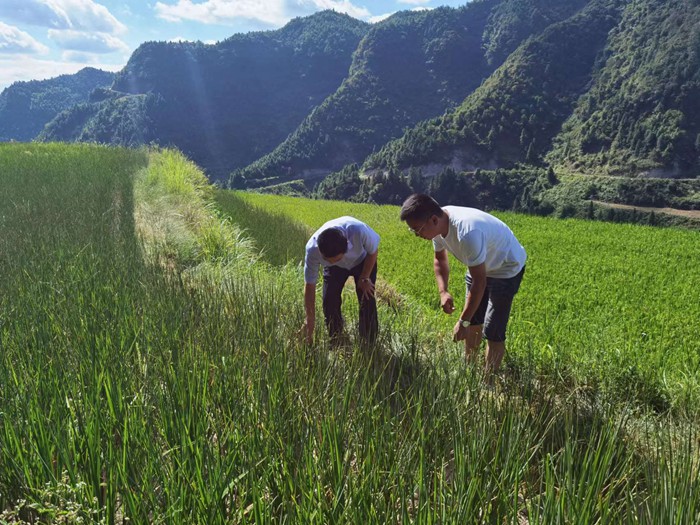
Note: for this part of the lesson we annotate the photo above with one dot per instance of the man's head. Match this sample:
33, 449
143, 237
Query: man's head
332, 244
423, 215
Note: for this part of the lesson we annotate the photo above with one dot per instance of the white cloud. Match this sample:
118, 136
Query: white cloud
270, 12
62, 14
13, 70
379, 18
223, 11
87, 42
125, 9
342, 6
80, 57
13, 40
413, 2
35, 12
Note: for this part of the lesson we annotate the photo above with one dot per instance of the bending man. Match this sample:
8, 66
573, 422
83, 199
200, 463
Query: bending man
343, 247
495, 261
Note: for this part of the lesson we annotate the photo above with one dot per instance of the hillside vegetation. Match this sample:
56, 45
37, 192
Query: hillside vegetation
413, 66
516, 113
114, 119
26, 107
641, 113
620, 76
532, 190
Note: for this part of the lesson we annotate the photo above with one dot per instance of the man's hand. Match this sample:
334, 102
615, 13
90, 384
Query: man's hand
459, 333
307, 332
447, 303
366, 286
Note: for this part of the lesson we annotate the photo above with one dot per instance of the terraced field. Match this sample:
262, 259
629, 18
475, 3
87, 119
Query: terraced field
151, 371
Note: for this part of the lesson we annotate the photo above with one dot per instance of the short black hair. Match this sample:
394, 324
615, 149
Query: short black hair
420, 207
332, 242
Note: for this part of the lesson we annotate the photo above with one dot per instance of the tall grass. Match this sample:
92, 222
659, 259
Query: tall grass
173, 389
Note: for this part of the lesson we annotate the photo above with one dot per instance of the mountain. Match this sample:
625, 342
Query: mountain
227, 104
550, 88
613, 90
515, 114
25, 107
410, 67
109, 117
642, 113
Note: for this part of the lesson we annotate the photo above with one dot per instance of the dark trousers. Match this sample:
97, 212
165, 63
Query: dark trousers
494, 309
334, 279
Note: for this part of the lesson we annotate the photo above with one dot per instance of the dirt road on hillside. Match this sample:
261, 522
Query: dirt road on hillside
693, 214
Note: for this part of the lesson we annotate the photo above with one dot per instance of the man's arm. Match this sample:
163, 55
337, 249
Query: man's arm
311, 264
476, 291
441, 266
366, 285
370, 242
368, 265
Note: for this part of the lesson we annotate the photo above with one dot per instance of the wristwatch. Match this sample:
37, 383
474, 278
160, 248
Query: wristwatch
464, 323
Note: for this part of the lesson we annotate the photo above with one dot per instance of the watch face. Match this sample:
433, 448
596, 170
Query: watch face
465, 324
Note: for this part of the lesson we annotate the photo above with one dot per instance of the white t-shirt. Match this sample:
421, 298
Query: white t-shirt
477, 237
361, 240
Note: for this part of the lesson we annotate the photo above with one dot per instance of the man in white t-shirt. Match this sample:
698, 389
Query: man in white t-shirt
344, 247
495, 261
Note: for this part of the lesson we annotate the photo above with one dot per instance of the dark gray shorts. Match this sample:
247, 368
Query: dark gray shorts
494, 309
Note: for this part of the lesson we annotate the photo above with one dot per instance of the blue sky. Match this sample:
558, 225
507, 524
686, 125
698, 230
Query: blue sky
44, 38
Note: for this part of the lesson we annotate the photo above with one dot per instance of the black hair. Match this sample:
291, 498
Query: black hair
332, 242
420, 207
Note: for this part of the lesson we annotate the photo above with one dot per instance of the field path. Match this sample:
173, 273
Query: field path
693, 214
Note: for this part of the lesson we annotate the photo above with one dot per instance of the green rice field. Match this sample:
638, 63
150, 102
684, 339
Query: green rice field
151, 371
611, 306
